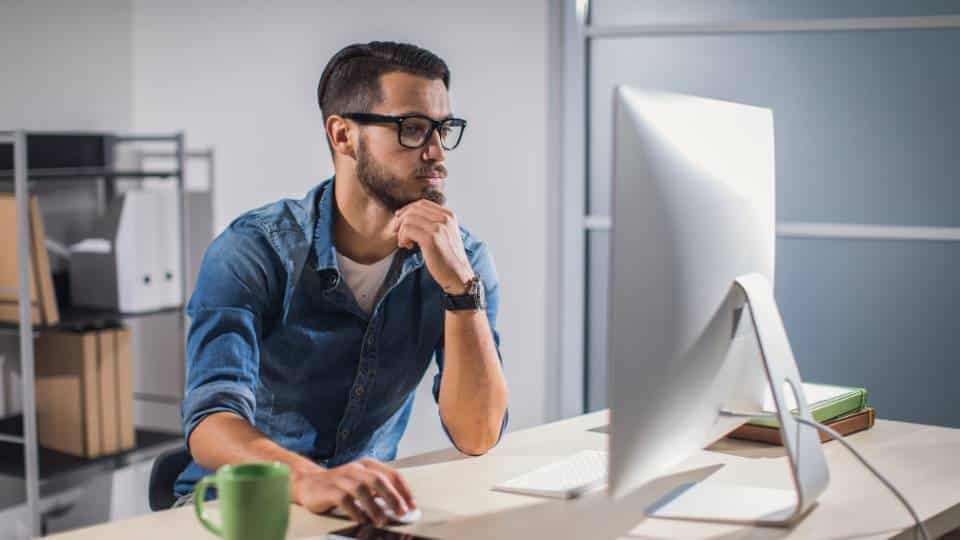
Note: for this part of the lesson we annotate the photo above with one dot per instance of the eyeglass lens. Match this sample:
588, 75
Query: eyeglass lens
414, 132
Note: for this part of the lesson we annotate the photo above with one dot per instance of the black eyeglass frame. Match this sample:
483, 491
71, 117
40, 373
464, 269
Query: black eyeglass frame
369, 118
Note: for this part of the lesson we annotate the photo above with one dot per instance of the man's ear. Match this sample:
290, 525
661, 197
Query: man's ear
340, 134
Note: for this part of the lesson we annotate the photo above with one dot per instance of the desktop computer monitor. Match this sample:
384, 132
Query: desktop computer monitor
690, 290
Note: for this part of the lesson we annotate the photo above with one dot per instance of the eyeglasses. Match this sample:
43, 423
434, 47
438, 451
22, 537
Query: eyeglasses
415, 130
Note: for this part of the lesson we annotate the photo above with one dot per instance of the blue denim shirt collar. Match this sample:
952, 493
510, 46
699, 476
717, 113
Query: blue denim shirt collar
324, 249
323, 234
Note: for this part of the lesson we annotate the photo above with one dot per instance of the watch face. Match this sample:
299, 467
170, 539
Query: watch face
481, 295
474, 286
473, 299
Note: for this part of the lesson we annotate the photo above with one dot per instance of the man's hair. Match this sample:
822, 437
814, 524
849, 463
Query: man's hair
351, 80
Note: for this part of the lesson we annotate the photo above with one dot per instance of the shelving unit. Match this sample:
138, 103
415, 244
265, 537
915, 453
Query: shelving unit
74, 318
90, 172
44, 471
58, 471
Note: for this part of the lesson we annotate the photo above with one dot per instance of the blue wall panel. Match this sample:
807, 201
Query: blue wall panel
868, 132
879, 314
631, 12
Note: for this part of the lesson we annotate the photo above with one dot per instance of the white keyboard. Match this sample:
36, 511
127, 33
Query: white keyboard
569, 477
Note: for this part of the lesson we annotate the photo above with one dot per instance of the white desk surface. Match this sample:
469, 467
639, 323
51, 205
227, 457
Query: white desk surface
454, 491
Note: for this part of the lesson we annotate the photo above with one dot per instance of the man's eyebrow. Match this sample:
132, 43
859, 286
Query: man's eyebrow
420, 113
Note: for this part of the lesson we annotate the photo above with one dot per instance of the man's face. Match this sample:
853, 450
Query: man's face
390, 173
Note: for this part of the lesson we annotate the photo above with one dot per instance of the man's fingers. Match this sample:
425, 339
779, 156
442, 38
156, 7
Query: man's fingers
430, 219
396, 480
425, 216
407, 237
361, 495
320, 499
427, 207
434, 212
350, 507
420, 222
418, 203
411, 232
390, 494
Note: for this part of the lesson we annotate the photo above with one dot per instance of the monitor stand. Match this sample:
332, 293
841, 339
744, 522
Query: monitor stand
732, 503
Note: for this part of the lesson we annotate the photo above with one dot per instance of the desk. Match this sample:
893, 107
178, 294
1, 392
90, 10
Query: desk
453, 491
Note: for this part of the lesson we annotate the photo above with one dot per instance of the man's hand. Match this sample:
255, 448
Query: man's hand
353, 487
436, 230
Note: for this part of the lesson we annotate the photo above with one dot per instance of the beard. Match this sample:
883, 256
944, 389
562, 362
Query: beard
390, 191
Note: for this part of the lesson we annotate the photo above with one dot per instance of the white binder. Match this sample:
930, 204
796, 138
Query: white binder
140, 270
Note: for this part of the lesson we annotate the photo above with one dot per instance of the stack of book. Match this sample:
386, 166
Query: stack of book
842, 408
42, 297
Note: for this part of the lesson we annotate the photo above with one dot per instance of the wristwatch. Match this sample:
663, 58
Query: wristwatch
472, 300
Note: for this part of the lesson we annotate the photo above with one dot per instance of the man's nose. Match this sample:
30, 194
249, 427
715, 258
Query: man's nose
433, 151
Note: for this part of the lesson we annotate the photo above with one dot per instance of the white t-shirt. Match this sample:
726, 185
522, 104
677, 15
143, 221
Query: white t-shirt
365, 280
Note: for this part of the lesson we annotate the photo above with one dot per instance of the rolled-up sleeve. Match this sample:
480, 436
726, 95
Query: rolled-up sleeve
482, 262
236, 285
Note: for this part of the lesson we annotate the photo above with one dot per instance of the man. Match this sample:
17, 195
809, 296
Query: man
313, 321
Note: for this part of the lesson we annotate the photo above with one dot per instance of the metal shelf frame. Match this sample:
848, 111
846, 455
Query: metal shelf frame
79, 319
21, 180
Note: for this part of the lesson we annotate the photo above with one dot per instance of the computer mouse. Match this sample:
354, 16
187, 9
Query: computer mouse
410, 517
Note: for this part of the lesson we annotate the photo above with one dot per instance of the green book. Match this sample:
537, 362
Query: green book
826, 403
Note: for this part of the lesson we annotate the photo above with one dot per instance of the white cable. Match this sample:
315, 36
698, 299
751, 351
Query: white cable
839, 438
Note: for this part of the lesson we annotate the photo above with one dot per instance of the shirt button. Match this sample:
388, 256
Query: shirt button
358, 391
344, 433
370, 340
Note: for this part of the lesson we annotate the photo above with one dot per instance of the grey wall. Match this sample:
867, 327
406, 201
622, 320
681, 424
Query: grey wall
867, 130
65, 66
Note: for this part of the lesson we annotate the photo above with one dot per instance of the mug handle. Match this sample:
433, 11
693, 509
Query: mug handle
199, 493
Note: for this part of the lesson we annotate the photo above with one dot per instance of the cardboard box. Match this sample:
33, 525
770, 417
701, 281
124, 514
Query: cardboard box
41, 264
85, 391
73, 355
60, 413
42, 297
9, 311
126, 427
107, 375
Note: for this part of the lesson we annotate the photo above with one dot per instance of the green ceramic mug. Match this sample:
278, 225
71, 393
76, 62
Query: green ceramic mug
254, 501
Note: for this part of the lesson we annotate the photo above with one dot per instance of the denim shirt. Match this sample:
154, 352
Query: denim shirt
277, 337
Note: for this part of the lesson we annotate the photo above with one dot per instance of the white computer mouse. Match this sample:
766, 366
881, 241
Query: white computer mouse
412, 516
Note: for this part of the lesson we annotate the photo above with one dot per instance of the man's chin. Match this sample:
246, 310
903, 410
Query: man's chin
435, 195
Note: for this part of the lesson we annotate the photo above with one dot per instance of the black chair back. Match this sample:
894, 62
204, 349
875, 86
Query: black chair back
163, 475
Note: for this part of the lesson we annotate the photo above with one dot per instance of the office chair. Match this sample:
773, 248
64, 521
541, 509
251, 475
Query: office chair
166, 468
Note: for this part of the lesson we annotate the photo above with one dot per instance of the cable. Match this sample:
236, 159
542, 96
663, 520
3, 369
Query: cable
839, 438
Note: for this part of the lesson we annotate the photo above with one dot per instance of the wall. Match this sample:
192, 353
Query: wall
66, 67
242, 78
